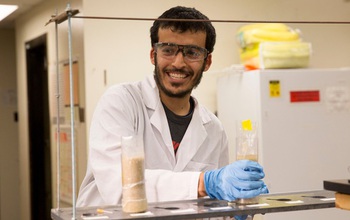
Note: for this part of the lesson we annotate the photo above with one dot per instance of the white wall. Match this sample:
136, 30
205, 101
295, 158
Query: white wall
9, 178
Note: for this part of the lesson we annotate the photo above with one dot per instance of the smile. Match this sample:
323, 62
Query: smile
177, 75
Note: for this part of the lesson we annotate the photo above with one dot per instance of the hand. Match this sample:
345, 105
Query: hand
241, 179
240, 217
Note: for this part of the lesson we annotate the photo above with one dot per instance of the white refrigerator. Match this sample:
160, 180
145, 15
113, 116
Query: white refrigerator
303, 119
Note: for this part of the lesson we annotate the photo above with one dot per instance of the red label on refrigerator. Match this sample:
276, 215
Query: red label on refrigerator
305, 96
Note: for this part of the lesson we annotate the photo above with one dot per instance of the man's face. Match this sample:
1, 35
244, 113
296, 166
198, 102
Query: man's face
178, 76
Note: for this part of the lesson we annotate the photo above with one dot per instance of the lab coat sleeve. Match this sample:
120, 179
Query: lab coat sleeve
165, 185
113, 118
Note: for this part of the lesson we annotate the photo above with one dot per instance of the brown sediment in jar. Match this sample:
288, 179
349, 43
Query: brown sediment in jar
134, 193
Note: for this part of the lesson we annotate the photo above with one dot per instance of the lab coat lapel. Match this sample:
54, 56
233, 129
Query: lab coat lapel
160, 122
157, 117
191, 142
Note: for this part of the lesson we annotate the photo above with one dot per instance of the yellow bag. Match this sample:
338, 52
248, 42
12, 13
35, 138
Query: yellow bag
272, 45
257, 33
274, 55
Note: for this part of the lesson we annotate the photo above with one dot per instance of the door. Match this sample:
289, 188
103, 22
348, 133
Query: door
39, 128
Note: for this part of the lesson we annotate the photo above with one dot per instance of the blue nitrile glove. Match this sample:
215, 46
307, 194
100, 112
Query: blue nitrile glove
240, 217
241, 179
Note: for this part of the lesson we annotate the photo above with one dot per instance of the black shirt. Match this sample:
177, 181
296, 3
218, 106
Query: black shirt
178, 124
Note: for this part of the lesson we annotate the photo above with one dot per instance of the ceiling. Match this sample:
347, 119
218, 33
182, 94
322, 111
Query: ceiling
23, 6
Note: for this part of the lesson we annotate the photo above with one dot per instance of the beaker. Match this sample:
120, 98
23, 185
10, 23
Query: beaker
247, 141
247, 149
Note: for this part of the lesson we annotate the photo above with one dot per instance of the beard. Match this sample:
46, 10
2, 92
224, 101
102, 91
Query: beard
179, 94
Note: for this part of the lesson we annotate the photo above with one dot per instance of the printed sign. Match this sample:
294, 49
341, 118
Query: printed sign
305, 96
275, 90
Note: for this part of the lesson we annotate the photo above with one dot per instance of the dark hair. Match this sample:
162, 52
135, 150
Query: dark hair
180, 12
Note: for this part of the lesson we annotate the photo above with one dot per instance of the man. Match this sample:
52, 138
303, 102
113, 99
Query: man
186, 149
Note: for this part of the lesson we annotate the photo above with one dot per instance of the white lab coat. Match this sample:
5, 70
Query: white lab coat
128, 108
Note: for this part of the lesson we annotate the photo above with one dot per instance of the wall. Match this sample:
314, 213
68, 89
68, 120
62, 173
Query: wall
29, 26
121, 48
9, 178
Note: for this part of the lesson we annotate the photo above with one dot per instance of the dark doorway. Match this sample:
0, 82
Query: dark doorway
39, 129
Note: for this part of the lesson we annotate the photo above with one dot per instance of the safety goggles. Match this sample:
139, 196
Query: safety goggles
189, 52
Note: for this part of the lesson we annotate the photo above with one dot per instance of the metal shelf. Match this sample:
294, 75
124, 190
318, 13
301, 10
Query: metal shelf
207, 208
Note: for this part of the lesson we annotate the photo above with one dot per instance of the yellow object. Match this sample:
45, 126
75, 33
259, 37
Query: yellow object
257, 33
272, 46
265, 26
273, 55
342, 201
247, 125
275, 90
101, 211
284, 55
